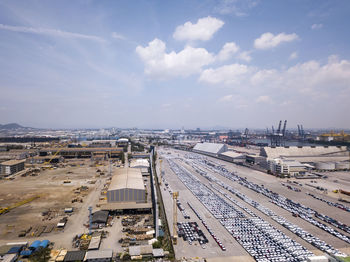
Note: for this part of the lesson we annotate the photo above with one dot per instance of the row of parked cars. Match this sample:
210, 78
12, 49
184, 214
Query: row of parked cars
217, 240
315, 241
191, 232
291, 187
258, 237
293, 228
178, 203
333, 204
294, 207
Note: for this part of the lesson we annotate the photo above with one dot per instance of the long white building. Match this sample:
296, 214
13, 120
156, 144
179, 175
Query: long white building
210, 149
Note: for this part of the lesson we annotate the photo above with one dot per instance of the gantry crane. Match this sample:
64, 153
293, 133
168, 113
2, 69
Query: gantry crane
175, 196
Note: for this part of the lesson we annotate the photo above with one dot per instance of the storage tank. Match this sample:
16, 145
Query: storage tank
325, 165
342, 165
35, 245
44, 243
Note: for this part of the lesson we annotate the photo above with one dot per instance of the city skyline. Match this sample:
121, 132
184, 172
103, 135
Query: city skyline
164, 64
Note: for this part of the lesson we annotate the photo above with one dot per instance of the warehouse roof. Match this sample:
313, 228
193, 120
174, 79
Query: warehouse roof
232, 154
275, 152
140, 250
122, 206
12, 162
81, 149
209, 147
99, 254
127, 178
100, 217
74, 256
139, 163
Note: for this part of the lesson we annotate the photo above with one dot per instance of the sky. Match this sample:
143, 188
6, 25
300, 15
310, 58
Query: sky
173, 64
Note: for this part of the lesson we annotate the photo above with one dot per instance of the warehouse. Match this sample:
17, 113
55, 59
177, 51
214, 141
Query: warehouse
305, 151
84, 152
231, 156
210, 149
11, 167
320, 157
127, 186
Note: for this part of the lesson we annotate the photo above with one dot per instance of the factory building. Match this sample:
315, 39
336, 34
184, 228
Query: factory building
287, 167
83, 152
231, 156
318, 157
210, 149
11, 167
127, 186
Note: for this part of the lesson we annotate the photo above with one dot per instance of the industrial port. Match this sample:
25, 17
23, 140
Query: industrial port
174, 131
196, 198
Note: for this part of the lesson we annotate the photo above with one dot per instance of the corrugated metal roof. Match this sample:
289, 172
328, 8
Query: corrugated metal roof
98, 254
127, 178
12, 162
74, 256
100, 217
139, 163
275, 152
232, 154
209, 147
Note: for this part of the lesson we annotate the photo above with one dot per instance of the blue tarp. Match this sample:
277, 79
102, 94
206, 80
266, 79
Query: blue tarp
44, 243
35, 244
15, 250
26, 253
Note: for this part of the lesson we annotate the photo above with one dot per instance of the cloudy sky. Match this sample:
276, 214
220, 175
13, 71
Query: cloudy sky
168, 64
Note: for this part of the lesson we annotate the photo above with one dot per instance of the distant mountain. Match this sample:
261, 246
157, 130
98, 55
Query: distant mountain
11, 126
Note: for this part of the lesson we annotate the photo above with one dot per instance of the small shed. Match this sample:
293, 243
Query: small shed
100, 217
73, 256
99, 255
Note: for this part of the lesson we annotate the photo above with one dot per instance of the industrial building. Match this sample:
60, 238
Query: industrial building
127, 186
83, 152
231, 156
287, 167
317, 157
11, 167
210, 149
99, 255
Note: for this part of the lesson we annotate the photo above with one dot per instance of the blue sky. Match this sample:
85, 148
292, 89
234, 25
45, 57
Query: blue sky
168, 64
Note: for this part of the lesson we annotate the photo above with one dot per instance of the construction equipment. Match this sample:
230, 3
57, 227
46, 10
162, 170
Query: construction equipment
7, 209
175, 196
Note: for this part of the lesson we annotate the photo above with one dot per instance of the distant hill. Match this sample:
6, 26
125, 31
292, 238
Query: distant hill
11, 126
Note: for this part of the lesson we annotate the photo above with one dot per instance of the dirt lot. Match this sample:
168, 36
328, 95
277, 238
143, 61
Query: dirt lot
54, 196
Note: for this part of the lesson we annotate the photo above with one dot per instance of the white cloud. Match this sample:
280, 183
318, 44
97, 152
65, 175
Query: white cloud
50, 32
237, 7
227, 98
160, 64
316, 26
310, 78
118, 36
269, 40
203, 30
263, 99
228, 74
293, 56
227, 51
245, 56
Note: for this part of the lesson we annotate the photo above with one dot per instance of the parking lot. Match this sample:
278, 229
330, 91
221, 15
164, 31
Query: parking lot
322, 232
